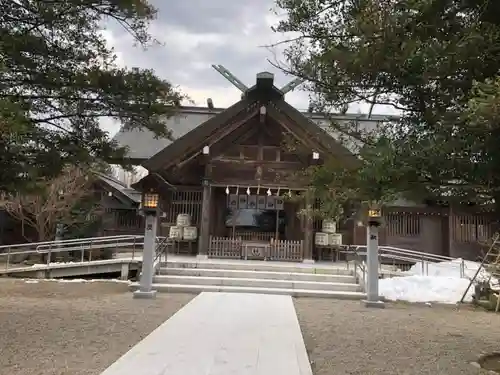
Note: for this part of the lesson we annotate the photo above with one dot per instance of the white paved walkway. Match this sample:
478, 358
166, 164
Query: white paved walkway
222, 334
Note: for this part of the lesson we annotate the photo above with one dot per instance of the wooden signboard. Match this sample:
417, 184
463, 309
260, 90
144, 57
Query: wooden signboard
261, 202
270, 202
232, 201
279, 203
252, 201
242, 201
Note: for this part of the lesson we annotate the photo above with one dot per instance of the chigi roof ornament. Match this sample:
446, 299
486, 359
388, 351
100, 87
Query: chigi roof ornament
243, 88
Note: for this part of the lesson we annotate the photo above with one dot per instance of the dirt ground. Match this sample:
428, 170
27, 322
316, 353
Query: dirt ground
51, 328
343, 337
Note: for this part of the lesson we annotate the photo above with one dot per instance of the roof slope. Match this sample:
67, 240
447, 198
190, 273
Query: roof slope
142, 144
133, 195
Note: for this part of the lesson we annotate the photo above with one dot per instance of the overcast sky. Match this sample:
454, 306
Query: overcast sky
198, 33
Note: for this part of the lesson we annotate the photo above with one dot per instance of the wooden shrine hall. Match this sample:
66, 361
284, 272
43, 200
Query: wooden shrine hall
223, 179
222, 183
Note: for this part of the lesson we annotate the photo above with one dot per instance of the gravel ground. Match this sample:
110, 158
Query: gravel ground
343, 337
51, 328
73, 328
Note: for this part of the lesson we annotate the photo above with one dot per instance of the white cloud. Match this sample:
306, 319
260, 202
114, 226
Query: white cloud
196, 34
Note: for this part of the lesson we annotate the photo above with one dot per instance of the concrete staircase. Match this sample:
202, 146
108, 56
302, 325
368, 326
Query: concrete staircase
298, 280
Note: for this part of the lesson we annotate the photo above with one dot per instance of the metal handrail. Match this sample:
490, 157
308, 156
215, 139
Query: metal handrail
82, 242
30, 244
87, 247
416, 253
161, 248
79, 244
408, 256
413, 254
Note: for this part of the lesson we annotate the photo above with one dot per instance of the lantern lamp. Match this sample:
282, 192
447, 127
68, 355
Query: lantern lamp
150, 202
375, 217
374, 213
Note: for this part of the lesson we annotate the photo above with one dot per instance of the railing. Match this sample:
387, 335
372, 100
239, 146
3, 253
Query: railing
79, 250
404, 259
31, 245
163, 244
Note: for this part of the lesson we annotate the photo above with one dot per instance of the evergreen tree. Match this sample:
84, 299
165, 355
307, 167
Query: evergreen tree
58, 78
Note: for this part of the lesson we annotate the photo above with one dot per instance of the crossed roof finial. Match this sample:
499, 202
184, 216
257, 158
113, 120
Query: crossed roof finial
243, 88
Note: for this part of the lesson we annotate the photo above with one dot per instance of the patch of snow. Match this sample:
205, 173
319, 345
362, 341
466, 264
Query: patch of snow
417, 288
31, 281
435, 282
53, 264
90, 281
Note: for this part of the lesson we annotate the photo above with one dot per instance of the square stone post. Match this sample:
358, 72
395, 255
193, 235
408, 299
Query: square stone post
372, 267
148, 257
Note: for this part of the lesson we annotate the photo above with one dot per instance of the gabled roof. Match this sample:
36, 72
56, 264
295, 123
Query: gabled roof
142, 144
278, 109
262, 93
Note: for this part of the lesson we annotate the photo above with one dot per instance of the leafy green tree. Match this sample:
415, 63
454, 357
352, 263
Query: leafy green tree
341, 191
58, 78
436, 61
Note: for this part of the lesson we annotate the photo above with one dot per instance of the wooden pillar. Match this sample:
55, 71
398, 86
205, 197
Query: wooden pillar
204, 239
308, 230
451, 232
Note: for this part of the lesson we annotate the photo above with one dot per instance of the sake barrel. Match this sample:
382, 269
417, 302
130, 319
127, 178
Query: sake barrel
183, 220
190, 233
175, 232
329, 226
334, 239
321, 239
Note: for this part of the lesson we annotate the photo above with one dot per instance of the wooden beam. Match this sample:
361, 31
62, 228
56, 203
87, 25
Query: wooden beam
233, 138
217, 136
308, 230
229, 129
252, 185
291, 165
302, 138
204, 239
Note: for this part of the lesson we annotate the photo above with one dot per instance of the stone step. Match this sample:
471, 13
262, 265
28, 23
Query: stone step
182, 288
256, 283
266, 266
274, 275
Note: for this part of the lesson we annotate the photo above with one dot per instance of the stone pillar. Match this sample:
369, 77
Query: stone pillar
203, 241
125, 271
308, 230
372, 267
148, 256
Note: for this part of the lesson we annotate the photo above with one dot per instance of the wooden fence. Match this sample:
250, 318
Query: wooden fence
236, 248
286, 251
225, 247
